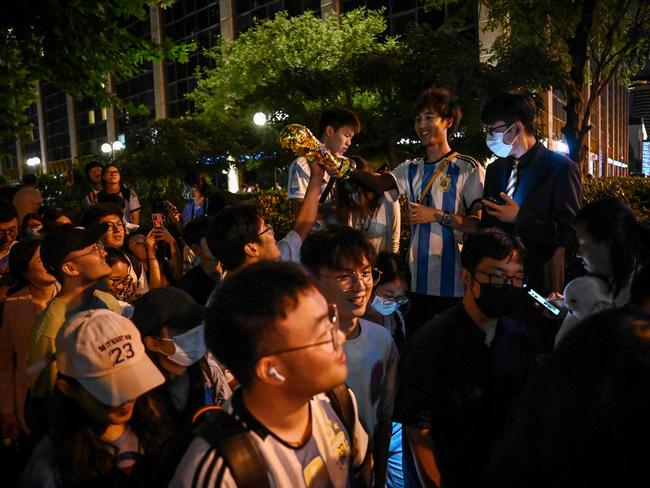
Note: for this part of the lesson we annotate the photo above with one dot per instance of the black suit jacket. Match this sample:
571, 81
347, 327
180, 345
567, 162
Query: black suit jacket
549, 193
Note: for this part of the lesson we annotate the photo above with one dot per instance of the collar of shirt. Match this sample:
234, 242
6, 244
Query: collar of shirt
528, 156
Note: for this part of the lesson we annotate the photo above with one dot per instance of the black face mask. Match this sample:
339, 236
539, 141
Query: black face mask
497, 301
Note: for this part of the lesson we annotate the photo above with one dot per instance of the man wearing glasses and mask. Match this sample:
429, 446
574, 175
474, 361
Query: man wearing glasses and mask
463, 369
343, 261
272, 328
530, 191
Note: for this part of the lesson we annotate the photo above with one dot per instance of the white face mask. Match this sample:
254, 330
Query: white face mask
495, 142
189, 347
383, 306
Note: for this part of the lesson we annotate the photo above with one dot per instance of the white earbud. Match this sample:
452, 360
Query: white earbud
276, 374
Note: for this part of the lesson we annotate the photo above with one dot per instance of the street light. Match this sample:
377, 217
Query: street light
259, 119
35, 161
111, 149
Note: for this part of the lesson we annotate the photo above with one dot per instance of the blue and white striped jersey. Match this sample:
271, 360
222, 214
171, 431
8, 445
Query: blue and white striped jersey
434, 253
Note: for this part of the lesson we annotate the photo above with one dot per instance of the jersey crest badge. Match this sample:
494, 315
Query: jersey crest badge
444, 183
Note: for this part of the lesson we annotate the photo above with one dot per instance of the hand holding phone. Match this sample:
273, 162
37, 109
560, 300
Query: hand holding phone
496, 200
553, 310
157, 220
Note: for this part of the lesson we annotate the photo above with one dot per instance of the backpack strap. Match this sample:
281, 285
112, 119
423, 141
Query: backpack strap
342, 404
232, 442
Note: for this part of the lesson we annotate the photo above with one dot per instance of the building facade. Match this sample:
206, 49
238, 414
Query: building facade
67, 130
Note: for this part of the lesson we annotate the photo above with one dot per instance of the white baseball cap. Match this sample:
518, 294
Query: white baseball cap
104, 352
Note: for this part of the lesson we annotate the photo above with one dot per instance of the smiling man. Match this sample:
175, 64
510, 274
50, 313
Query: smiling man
443, 189
343, 260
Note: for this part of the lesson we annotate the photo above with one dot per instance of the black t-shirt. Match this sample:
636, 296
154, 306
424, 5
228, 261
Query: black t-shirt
197, 284
462, 389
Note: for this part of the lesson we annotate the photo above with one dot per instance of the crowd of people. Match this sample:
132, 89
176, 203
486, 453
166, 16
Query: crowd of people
211, 353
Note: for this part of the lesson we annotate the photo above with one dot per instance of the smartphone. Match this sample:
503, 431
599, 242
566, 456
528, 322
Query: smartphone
157, 219
497, 200
543, 301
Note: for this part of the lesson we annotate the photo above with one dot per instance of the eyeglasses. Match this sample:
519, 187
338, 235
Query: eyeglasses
269, 228
499, 279
121, 282
491, 130
368, 277
115, 227
333, 316
98, 248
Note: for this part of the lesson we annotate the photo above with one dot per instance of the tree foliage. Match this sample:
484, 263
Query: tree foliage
72, 44
576, 46
292, 67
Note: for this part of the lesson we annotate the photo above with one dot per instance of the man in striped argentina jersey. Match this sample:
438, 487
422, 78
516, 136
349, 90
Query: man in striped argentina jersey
444, 191
272, 328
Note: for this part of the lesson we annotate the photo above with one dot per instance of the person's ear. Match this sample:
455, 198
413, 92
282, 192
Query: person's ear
70, 269
467, 277
150, 343
329, 131
251, 249
66, 388
267, 372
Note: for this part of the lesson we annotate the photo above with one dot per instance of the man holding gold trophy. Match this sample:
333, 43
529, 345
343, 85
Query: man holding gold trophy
336, 129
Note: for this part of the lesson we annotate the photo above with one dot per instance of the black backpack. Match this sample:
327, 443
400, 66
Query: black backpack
246, 464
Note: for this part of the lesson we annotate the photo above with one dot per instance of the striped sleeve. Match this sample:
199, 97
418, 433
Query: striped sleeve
202, 467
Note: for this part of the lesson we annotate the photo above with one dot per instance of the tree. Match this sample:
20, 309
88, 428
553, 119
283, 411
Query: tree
576, 46
73, 44
292, 67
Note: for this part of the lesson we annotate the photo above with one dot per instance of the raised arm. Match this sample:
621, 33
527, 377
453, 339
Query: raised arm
308, 211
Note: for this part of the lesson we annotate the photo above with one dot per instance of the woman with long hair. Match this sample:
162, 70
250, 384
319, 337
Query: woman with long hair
32, 291
612, 245
374, 213
105, 428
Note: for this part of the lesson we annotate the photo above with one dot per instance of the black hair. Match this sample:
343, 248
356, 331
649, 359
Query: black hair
361, 208
125, 191
640, 291
586, 408
116, 199
490, 243
30, 216
334, 247
7, 210
511, 107
196, 229
338, 117
442, 102
20, 255
243, 310
392, 268
611, 221
116, 256
29, 179
233, 228
91, 165
81, 454
51, 214
92, 216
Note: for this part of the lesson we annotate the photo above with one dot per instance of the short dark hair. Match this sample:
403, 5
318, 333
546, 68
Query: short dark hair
116, 256
19, 257
166, 307
490, 243
97, 211
511, 107
233, 228
7, 210
333, 247
338, 117
442, 102
116, 199
244, 309
196, 229
392, 268
51, 214
91, 165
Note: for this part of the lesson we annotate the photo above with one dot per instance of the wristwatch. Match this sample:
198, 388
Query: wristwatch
446, 219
